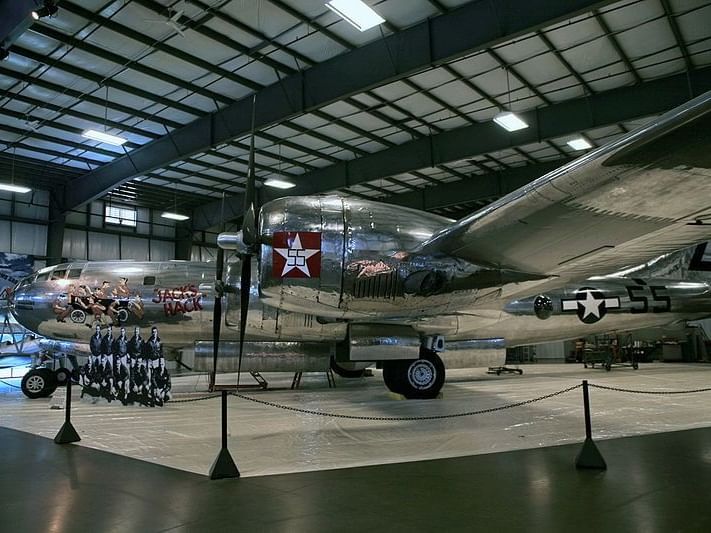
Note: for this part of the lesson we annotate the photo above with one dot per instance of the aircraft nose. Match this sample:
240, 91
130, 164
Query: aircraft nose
19, 298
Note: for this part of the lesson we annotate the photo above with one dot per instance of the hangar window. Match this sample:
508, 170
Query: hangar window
123, 216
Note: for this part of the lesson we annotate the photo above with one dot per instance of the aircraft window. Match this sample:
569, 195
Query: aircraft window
149, 280
74, 273
59, 274
42, 277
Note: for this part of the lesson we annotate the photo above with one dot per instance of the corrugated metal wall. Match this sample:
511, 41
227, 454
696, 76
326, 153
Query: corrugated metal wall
139, 243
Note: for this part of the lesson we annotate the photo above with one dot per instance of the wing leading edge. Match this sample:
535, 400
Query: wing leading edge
643, 195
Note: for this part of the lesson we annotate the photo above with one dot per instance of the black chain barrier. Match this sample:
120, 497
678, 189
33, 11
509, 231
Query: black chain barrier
188, 400
660, 392
404, 418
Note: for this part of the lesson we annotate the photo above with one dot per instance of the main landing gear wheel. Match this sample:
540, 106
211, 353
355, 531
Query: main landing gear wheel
415, 379
38, 383
347, 370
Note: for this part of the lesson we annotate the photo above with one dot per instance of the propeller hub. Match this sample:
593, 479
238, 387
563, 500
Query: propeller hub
233, 241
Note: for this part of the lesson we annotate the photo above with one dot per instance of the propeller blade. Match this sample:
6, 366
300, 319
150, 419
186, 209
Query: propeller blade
249, 221
245, 283
217, 313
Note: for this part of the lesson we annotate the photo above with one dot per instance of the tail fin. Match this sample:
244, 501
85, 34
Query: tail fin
701, 259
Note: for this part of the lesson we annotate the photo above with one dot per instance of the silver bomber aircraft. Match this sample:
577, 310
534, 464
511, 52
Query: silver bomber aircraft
613, 241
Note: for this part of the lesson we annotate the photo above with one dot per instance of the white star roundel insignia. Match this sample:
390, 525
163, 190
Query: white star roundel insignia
590, 304
297, 254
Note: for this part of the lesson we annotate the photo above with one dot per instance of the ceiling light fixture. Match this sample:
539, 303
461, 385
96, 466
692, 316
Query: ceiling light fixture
279, 184
174, 216
510, 121
104, 137
47, 10
14, 188
11, 187
579, 144
356, 13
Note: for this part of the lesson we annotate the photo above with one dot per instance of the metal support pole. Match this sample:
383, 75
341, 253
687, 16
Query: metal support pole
224, 419
67, 434
224, 466
586, 406
589, 456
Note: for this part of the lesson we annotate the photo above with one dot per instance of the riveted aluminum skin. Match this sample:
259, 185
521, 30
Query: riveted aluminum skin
366, 270
266, 322
174, 296
379, 342
321, 294
265, 356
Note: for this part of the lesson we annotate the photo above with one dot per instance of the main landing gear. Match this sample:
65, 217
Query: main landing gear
421, 378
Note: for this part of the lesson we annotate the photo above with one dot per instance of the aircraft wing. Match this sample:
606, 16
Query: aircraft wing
627, 202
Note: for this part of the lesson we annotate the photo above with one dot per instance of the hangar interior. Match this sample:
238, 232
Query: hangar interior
402, 113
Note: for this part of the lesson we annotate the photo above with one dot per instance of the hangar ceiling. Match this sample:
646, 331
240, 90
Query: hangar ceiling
401, 113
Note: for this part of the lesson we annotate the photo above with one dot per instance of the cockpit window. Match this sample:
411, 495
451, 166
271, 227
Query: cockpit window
42, 277
59, 274
74, 273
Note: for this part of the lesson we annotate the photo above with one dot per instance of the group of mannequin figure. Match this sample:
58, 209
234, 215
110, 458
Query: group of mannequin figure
128, 370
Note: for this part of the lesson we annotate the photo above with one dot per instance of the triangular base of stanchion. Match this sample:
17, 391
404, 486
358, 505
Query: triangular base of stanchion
223, 467
67, 434
590, 457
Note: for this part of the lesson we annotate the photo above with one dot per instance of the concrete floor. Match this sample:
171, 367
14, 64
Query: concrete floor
267, 440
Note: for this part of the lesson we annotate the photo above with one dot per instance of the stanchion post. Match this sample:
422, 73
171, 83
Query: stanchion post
589, 456
67, 434
224, 466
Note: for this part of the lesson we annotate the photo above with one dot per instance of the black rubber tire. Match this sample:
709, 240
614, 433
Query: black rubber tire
38, 383
344, 372
423, 378
391, 376
61, 376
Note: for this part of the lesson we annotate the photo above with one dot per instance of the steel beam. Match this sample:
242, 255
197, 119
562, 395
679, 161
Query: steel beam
565, 118
15, 19
474, 26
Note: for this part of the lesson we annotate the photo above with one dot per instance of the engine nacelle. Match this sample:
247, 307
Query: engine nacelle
328, 255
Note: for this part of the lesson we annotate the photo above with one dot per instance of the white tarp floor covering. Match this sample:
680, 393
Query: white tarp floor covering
267, 440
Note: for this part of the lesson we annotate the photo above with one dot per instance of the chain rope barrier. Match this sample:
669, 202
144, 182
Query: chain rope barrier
404, 418
633, 391
188, 400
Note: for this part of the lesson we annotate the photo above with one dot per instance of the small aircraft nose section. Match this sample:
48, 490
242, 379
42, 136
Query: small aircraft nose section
22, 303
